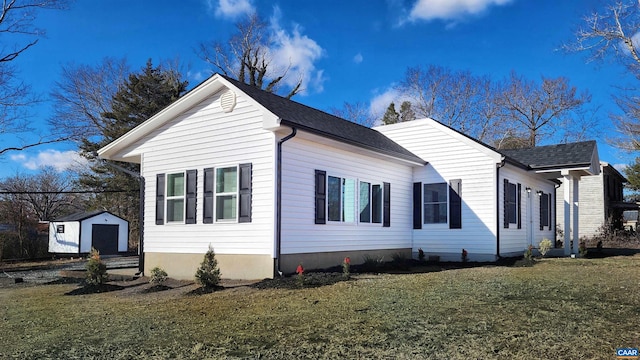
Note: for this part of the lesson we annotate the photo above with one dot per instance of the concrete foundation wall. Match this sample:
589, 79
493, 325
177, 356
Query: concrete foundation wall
184, 266
325, 260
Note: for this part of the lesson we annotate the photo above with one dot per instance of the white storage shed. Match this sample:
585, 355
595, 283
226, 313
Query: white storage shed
79, 232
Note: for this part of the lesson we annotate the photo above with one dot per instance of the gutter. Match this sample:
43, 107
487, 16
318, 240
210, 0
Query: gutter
279, 199
498, 166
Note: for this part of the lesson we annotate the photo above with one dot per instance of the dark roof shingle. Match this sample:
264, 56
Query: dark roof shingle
315, 121
552, 156
79, 216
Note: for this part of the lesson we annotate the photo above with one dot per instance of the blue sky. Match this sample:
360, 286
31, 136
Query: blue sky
347, 51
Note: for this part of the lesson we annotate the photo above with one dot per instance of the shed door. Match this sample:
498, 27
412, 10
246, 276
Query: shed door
104, 238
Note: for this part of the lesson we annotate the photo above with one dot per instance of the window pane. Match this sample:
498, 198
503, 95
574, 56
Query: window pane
226, 180
333, 198
349, 200
376, 204
226, 207
435, 203
175, 210
365, 202
175, 184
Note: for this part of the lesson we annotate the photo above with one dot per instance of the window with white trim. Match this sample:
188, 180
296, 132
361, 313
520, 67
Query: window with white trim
226, 194
175, 197
341, 199
435, 203
370, 203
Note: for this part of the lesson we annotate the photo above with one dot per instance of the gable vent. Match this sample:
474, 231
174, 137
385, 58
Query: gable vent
228, 101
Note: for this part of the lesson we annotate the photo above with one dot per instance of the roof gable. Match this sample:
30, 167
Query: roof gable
81, 215
571, 155
283, 112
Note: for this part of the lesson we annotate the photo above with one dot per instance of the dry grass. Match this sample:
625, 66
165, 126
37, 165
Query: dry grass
557, 309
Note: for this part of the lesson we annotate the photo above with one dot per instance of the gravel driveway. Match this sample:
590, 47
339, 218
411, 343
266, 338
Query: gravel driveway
40, 276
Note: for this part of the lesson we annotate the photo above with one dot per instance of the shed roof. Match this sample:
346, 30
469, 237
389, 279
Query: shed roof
82, 215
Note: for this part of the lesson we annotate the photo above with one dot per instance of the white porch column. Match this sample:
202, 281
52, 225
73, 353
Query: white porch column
566, 183
576, 213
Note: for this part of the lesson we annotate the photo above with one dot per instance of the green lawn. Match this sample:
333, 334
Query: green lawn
557, 309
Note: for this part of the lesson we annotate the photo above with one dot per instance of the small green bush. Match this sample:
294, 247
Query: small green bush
96, 270
544, 246
158, 276
208, 274
372, 264
346, 267
420, 254
528, 253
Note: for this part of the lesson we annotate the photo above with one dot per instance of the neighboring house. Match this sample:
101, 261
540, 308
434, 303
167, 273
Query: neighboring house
79, 232
269, 183
601, 200
630, 220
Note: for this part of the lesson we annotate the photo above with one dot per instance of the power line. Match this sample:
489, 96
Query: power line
67, 192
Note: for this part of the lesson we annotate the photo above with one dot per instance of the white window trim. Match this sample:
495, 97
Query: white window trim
216, 194
359, 201
183, 197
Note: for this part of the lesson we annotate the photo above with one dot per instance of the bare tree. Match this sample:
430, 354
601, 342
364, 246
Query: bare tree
539, 108
27, 199
357, 112
17, 18
456, 98
612, 31
246, 57
84, 94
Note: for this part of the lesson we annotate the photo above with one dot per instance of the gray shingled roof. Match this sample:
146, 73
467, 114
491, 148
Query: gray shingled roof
318, 122
79, 216
552, 156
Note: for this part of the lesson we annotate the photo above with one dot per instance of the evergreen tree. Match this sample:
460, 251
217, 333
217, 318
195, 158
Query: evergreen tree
140, 97
632, 173
406, 112
391, 116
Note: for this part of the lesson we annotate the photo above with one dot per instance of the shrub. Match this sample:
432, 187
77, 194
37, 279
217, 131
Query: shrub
158, 275
399, 261
371, 264
464, 256
208, 274
544, 246
582, 248
96, 270
300, 276
528, 253
420, 254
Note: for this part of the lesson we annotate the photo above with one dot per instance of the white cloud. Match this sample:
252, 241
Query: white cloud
296, 54
380, 102
450, 9
231, 9
59, 160
358, 58
620, 167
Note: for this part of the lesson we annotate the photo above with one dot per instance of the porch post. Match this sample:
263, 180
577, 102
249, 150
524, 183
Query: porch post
576, 212
566, 182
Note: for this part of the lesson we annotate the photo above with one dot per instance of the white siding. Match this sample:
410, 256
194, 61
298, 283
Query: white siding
300, 234
103, 219
205, 137
450, 158
591, 198
514, 241
67, 242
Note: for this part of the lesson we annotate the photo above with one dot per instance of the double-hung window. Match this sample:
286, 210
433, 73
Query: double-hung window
511, 205
435, 203
370, 203
341, 195
226, 194
175, 197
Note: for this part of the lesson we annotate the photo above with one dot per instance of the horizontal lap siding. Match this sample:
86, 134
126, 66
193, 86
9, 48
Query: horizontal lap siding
514, 240
205, 137
299, 232
451, 158
592, 207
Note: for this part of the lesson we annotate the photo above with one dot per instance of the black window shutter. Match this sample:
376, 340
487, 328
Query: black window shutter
192, 178
159, 199
386, 205
207, 206
245, 193
455, 204
417, 205
321, 197
505, 203
542, 210
519, 208
550, 215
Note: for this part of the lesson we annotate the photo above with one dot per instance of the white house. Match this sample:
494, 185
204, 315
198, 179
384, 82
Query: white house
269, 183
79, 232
